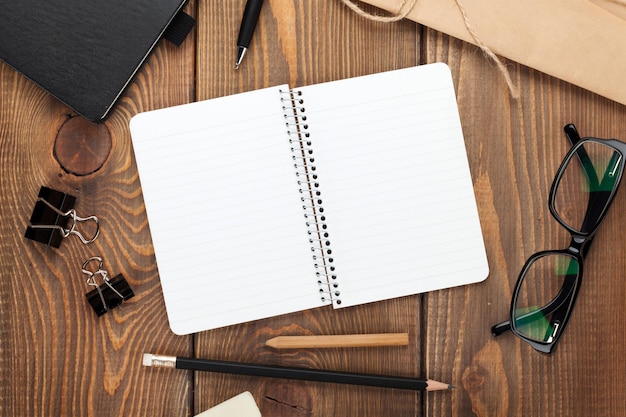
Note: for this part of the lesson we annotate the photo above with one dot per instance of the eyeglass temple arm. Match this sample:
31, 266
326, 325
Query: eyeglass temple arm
583, 157
597, 199
550, 308
571, 133
587, 166
498, 329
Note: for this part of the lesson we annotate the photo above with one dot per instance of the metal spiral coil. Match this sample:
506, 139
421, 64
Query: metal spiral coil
310, 194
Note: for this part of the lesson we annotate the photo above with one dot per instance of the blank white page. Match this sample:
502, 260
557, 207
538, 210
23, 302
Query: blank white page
395, 183
224, 211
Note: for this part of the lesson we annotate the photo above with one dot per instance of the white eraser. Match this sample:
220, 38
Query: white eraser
147, 359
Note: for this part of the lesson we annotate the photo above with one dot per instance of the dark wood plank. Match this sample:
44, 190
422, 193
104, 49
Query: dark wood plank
56, 356
298, 43
515, 148
303, 43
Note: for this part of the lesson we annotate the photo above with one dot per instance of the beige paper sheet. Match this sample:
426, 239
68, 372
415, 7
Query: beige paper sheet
579, 41
242, 405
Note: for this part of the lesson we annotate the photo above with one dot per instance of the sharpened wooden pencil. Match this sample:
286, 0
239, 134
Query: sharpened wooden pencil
339, 341
239, 368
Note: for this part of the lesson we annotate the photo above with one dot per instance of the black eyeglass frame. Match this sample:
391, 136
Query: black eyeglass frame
599, 203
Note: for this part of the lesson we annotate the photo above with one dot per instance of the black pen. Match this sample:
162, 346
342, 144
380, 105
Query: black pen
271, 371
248, 23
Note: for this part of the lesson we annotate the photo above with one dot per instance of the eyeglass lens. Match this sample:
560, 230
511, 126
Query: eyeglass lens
544, 296
584, 189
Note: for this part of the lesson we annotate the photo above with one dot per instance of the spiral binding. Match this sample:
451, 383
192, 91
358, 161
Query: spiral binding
310, 194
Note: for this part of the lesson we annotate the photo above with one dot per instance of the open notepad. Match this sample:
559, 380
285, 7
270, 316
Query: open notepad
279, 200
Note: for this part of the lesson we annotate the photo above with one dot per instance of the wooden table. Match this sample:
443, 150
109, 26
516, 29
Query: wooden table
58, 358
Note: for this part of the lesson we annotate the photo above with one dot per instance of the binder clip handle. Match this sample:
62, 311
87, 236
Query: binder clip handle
91, 280
54, 218
111, 293
71, 214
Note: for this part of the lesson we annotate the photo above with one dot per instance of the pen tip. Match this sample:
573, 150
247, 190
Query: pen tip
241, 51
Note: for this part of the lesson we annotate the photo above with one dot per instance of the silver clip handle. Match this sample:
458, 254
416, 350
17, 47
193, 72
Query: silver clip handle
75, 220
91, 279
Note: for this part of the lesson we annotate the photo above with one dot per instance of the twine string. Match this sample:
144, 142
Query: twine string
399, 15
405, 8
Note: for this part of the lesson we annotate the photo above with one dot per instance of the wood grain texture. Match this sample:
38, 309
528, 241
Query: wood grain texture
515, 148
57, 358
303, 43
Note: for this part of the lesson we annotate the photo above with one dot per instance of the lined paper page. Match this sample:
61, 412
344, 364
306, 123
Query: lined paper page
224, 211
396, 185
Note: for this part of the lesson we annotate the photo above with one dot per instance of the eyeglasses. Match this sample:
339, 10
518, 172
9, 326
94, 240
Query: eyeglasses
580, 196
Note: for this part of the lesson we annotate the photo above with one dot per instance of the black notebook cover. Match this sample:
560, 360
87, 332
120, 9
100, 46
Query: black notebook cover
83, 52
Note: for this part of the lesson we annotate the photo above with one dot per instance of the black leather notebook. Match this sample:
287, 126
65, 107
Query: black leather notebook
84, 53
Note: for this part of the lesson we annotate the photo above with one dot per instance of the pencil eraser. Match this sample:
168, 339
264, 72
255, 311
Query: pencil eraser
147, 359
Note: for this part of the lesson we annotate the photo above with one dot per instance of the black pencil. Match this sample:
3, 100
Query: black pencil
292, 373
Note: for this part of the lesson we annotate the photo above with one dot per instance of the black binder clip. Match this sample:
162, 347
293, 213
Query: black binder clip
52, 213
108, 295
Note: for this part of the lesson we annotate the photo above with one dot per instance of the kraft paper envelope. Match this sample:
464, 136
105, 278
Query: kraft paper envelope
582, 42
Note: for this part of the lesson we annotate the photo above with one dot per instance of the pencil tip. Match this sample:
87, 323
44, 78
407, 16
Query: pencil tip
438, 386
